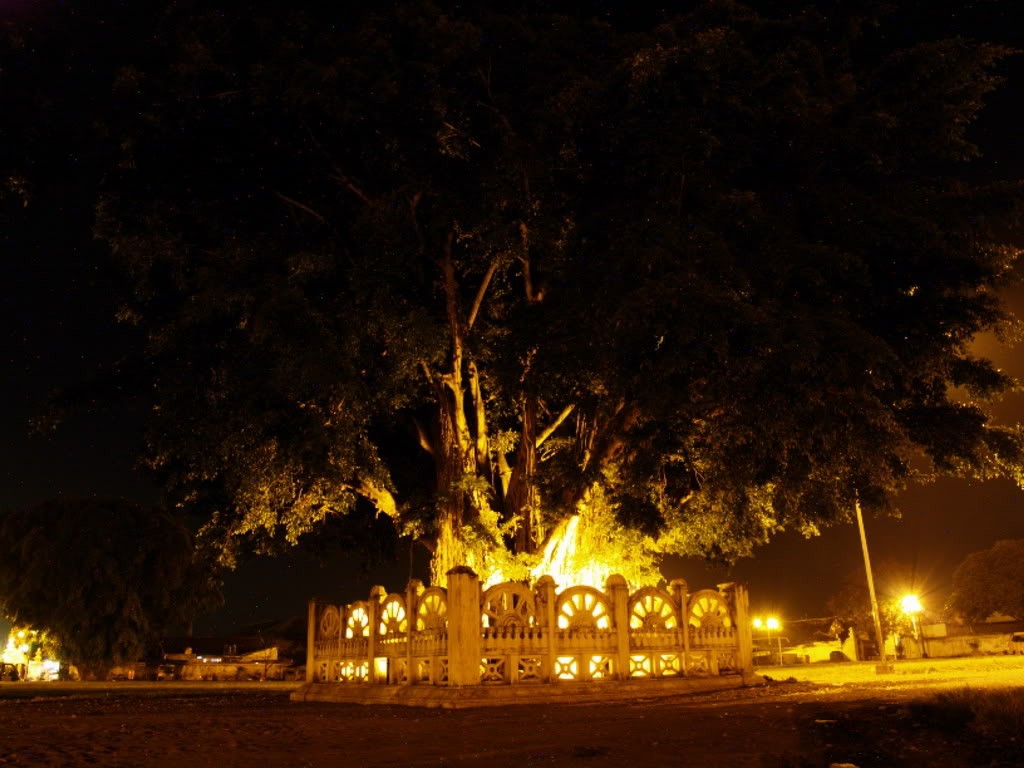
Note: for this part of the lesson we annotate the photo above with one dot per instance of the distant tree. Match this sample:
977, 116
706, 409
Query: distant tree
990, 581
851, 605
103, 579
672, 282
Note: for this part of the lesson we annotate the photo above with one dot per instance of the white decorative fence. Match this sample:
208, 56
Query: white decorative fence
512, 634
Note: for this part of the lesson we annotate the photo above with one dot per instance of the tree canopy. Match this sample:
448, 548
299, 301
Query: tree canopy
674, 285
102, 578
990, 581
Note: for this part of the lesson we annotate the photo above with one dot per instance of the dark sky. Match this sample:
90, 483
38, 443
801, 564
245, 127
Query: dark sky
57, 327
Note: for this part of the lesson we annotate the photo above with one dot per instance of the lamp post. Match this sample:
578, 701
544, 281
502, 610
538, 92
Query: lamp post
911, 606
882, 665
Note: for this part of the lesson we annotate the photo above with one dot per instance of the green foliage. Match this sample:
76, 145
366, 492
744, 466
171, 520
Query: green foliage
990, 581
103, 579
740, 245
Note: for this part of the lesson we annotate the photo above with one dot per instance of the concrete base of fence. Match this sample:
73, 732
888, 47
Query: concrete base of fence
452, 697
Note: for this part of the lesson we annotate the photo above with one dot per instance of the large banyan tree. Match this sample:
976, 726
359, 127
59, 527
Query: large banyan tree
551, 292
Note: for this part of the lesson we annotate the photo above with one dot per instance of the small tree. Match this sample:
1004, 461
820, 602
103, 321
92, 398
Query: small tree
990, 581
851, 607
101, 578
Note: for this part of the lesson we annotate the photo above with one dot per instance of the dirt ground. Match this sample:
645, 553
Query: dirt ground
830, 714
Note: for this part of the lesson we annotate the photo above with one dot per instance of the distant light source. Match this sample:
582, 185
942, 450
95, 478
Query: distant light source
911, 604
770, 624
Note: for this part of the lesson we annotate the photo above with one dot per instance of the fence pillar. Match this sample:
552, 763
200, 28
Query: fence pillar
679, 590
412, 605
545, 589
311, 642
463, 626
740, 600
618, 589
373, 674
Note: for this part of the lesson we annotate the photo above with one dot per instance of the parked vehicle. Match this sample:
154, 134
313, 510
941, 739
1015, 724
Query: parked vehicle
1016, 644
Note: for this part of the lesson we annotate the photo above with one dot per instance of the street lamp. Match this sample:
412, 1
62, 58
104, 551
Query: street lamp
911, 606
771, 624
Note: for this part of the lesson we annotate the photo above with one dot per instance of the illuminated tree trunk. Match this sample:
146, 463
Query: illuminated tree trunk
521, 501
462, 460
474, 482
450, 550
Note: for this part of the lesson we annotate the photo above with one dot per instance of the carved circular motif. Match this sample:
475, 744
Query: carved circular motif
358, 624
330, 622
432, 612
707, 609
583, 608
652, 610
392, 615
509, 605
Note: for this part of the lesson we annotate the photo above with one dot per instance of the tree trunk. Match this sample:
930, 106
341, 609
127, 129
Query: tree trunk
521, 499
450, 550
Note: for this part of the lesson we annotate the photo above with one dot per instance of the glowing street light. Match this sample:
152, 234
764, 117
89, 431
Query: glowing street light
770, 624
911, 606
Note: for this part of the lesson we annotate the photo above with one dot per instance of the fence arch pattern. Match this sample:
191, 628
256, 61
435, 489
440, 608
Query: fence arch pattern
708, 609
508, 605
529, 635
432, 610
583, 608
393, 619
651, 609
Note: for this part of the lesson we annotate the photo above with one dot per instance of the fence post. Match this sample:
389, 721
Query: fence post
463, 626
311, 642
746, 631
374, 675
412, 604
619, 589
679, 590
545, 589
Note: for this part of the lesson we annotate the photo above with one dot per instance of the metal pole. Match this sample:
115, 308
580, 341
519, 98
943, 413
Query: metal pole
920, 637
778, 639
871, 584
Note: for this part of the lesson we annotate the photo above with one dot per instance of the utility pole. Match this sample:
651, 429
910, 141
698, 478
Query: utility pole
882, 665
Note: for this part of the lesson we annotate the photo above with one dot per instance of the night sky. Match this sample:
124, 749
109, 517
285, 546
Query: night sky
58, 327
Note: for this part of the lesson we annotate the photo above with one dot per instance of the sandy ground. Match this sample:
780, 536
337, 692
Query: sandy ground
832, 714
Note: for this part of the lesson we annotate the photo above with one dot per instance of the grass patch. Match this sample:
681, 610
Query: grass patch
996, 713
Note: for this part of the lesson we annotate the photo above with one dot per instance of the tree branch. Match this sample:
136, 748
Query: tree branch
524, 233
345, 181
480, 295
482, 446
414, 202
297, 204
338, 176
380, 496
555, 424
424, 438
426, 371
454, 378
504, 472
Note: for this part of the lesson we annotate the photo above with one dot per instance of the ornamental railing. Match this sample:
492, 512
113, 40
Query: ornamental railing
513, 634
